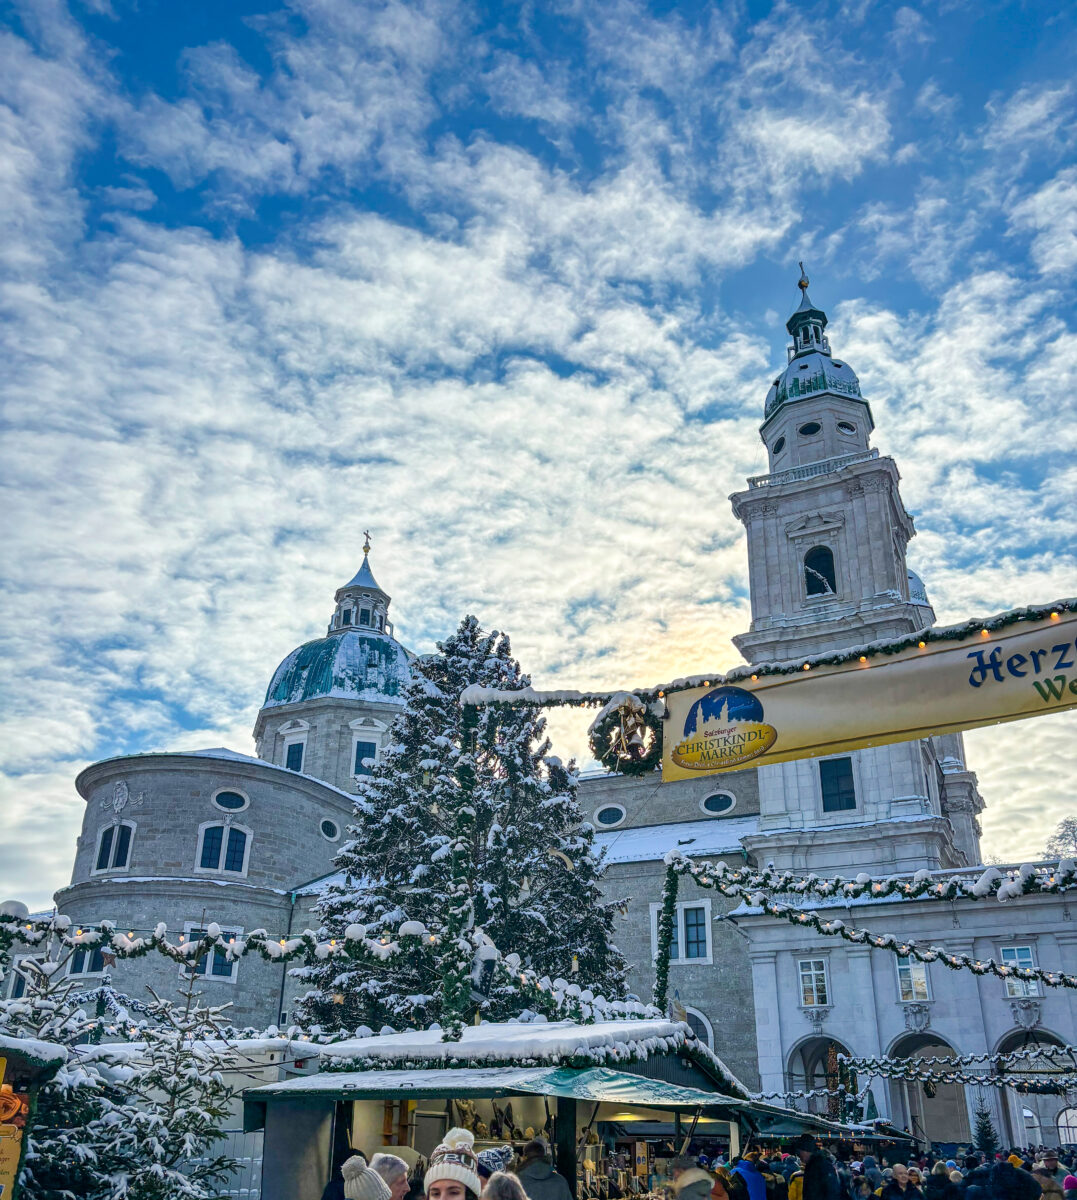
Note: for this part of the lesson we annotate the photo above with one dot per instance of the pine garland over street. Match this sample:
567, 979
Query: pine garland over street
470, 835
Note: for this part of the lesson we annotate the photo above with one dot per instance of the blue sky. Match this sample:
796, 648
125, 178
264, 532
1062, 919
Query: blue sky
506, 284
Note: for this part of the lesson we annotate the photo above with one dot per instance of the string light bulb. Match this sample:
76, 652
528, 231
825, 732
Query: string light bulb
807, 666
985, 633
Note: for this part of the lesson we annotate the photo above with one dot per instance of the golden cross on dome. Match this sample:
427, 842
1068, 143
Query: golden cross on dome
802, 282
366, 543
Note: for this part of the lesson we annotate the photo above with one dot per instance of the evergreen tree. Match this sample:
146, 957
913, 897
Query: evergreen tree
984, 1136
466, 831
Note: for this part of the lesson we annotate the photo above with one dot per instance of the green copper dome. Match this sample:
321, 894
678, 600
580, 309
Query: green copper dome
352, 665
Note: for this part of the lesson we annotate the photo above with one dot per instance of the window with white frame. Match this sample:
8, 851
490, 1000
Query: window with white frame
813, 982
15, 977
366, 756
912, 979
1019, 956
293, 755
114, 847
223, 847
86, 960
214, 965
691, 932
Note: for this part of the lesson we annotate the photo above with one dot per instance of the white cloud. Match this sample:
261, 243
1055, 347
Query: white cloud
1050, 213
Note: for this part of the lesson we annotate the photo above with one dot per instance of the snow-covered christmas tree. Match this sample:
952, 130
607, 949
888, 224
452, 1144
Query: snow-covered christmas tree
466, 830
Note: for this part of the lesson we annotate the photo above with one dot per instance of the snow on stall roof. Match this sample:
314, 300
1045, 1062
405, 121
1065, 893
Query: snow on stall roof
46, 1052
539, 1042
651, 843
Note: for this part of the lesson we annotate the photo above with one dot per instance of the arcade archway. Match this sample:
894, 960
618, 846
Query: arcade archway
935, 1112
814, 1064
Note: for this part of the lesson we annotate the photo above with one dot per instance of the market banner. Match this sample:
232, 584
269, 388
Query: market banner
938, 686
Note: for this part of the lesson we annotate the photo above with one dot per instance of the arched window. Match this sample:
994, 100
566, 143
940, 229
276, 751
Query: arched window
223, 848
1067, 1126
700, 1026
819, 577
114, 847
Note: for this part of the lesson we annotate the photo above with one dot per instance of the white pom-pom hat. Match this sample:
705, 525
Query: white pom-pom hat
455, 1158
361, 1183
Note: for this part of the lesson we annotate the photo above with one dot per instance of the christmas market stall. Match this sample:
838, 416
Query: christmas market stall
25, 1064
616, 1100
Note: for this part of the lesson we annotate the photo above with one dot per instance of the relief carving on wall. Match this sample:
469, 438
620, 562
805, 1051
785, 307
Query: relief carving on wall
817, 1014
121, 797
1026, 1012
917, 1016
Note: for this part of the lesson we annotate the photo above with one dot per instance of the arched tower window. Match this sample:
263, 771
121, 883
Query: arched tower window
819, 577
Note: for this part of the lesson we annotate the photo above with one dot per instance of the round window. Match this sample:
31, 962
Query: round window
846, 427
230, 801
720, 802
610, 814
330, 830
809, 429
778, 446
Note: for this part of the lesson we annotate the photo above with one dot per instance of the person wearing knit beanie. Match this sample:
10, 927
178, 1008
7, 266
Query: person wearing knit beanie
361, 1183
454, 1162
494, 1159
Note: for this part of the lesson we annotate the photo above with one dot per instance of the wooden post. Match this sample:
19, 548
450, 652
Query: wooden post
565, 1141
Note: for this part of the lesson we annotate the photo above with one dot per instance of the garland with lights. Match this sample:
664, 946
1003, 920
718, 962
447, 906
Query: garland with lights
830, 928
1005, 1059
60, 938
1028, 879
532, 698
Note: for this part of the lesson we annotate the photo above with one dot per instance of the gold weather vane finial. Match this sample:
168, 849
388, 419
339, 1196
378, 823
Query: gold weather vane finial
366, 542
802, 282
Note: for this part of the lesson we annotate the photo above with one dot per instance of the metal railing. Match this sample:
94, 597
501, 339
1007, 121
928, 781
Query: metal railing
810, 470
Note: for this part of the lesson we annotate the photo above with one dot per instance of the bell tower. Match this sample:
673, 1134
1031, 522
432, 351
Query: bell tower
827, 530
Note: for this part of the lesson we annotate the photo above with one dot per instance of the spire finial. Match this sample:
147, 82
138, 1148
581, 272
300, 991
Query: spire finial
366, 542
802, 282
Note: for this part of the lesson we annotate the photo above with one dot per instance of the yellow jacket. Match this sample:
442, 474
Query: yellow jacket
796, 1186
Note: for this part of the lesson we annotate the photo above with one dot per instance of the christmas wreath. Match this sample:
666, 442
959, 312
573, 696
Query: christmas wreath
626, 736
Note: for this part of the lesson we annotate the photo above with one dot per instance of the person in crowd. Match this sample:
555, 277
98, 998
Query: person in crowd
722, 1188
939, 1186
899, 1187
492, 1160
395, 1173
693, 1183
820, 1178
1007, 1182
502, 1185
1069, 1187
453, 1173
1048, 1185
872, 1172
916, 1177
861, 1187
540, 1181
1052, 1166
748, 1182
362, 1183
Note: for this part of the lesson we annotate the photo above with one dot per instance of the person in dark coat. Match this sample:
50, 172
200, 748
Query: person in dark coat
540, 1181
937, 1185
1007, 1182
900, 1186
748, 1181
872, 1173
820, 1178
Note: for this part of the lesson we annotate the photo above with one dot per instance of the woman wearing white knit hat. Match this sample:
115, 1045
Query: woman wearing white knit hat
453, 1173
361, 1183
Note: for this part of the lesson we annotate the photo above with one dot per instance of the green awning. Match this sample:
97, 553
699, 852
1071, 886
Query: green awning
623, 1088
597, 1084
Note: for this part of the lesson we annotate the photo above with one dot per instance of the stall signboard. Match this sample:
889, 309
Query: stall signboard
939, 686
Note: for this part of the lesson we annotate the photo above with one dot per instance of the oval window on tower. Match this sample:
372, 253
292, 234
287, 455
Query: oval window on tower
330, 830
809, 429
846, 427
720, 802
778, 446
609, 815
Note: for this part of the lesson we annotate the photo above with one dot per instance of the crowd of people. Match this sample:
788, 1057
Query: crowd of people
805, 1171
810, 1172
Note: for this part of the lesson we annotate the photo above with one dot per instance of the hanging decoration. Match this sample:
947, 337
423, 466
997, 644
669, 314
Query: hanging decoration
626, 736
1028, 879
1002, 1060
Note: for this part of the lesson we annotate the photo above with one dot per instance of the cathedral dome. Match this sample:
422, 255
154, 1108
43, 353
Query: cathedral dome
351, 664
809, 374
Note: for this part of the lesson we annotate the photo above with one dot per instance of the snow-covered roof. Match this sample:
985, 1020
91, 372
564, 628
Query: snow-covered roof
43, 1052
364, 577
651, 843
533, 1044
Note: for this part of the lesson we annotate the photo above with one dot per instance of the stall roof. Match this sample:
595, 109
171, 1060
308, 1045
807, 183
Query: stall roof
594, 1083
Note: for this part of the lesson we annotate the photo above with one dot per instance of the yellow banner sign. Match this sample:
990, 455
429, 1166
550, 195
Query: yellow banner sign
1022, 670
